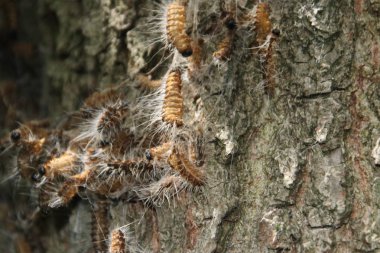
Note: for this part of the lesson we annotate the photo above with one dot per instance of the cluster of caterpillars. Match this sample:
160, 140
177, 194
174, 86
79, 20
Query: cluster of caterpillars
131, 151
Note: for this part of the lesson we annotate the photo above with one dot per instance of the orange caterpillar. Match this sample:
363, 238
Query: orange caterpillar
263, 25
196, 58
159, 151
175, 29
117, 243
173, 103
145, 82
185, 168
99, 226
67, 192
101, 98
224, 48
114, 181
28, 157
266, 41
10, 10
64, 164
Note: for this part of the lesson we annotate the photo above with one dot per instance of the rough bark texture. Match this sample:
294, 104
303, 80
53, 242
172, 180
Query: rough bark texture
295, 171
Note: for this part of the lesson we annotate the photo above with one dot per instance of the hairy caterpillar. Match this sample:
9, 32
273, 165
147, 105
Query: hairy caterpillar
99, 225
105, 123
263, 26
195, 60
164, 189
159, 151
266, 38
147, 83
99, 99
118, 242
175, 28
61, 165
185, 168
28, 158
172, 110
224, 48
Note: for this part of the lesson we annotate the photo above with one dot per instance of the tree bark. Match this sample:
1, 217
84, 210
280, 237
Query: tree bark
294, 169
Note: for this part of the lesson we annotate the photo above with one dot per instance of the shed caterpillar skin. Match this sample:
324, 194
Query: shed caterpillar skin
172, 110
186, 169
99, 226
175, 28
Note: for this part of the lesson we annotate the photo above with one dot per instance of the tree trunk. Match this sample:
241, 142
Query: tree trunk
292, 140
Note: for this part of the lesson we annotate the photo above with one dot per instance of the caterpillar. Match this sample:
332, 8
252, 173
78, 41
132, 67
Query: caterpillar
146, 82
196, 58
118, 242
185, 168
172, 110
263, 26
29, 157
64, 164
99, 225
108, 178
159, 151
175, 29
99, 99
224, 48
165, 188
104, 123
